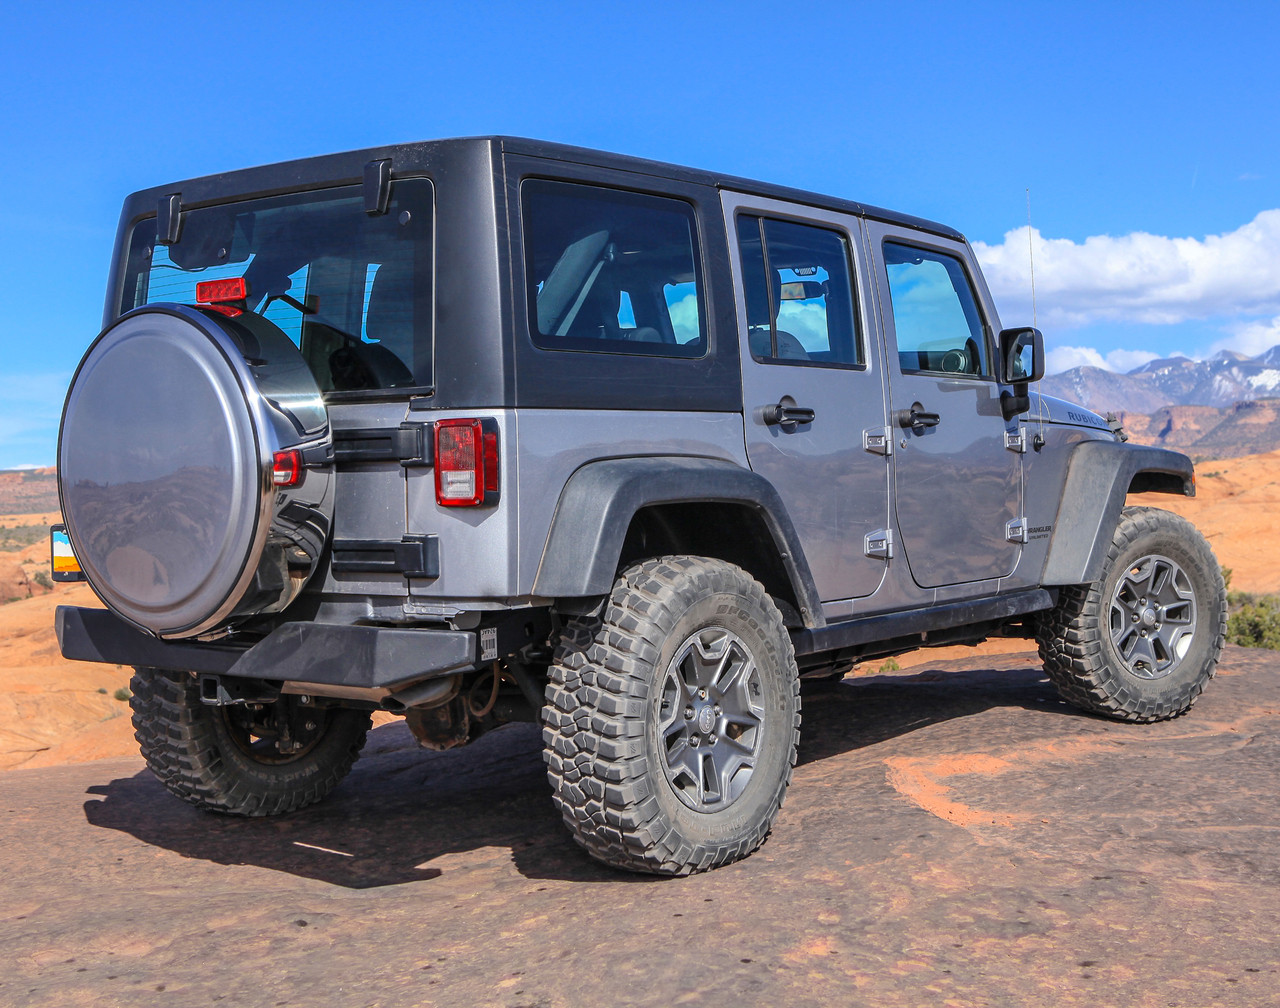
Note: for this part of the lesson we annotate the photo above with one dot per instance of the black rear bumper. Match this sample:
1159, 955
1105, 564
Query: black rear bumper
320, 654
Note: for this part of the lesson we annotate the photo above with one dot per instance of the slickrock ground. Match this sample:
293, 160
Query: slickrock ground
953, 836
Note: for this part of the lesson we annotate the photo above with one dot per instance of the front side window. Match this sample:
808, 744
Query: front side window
611, 271
935, 313
352, 291
799, 293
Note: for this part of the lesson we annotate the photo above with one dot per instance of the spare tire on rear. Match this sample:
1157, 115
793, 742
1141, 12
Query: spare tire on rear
169, 436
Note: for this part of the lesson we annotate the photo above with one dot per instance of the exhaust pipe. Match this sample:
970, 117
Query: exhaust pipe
428, 693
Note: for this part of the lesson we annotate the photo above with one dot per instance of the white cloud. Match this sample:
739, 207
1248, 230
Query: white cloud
1139, 277
1065, 358
1251, 338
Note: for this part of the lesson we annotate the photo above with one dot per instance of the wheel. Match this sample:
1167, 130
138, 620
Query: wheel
236, 760
1140, 643
672, 719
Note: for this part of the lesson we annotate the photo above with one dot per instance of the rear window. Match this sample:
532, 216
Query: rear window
352, 291
612, 272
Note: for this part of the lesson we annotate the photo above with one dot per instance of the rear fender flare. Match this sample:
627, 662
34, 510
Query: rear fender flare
600, 499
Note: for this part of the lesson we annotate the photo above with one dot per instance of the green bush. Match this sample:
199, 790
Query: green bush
1254, 620
17, 537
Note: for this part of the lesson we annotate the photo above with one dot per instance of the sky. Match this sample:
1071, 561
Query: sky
1143, 135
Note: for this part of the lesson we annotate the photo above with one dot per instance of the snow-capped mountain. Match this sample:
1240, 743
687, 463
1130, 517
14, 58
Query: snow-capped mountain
1224, 379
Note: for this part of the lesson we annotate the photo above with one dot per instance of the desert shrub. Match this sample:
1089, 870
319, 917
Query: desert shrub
42, 579
122, 694
1254, 620
17, 537
890, 665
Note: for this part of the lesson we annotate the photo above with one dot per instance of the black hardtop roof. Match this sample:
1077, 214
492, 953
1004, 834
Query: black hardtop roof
348, 167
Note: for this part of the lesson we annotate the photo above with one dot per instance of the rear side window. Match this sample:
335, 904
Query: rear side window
611, 271
352, 291
799, 294
935, 313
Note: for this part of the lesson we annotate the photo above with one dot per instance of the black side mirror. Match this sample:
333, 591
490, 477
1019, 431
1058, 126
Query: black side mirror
1022, 356
1021, 362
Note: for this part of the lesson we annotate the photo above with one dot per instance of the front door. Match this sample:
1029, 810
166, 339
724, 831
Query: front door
957, 471
813, 389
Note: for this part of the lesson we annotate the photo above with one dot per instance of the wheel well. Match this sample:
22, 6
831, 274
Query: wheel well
727, 531
1157, 482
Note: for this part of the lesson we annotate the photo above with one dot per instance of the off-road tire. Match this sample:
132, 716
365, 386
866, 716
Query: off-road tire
1076, 637
608, 688
190, 747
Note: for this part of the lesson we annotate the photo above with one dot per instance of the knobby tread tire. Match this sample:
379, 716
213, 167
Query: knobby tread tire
1073, 637
186, 745
598, 697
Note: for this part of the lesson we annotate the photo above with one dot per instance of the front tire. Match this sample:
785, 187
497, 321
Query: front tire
1140, 643
672, 719
232, 759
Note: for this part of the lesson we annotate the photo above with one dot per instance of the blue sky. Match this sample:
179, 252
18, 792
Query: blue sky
1146, 133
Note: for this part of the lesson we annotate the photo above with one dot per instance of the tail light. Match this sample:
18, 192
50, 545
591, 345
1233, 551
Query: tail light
466, 461
286, 468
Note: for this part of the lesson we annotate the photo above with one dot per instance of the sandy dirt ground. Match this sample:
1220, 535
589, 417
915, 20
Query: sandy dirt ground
954, 836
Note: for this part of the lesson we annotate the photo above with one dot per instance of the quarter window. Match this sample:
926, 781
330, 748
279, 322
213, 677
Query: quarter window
612, 272
799, 293
935, 313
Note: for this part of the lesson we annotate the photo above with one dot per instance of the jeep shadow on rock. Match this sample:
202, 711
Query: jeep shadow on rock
488, 430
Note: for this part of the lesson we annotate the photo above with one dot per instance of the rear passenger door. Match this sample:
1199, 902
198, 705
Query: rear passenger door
958, 471
813, 390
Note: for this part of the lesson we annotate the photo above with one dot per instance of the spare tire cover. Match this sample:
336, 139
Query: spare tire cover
165, 469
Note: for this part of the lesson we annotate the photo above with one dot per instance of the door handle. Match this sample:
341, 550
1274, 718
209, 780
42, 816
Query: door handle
917, 418
786, 413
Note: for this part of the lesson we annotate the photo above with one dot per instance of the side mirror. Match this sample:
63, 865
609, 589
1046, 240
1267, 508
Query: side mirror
1022, 356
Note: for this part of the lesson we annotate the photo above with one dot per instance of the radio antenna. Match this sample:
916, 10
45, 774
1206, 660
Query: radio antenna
1031, 256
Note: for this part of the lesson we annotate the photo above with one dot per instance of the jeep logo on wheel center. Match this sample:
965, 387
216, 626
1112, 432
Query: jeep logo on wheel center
492, 430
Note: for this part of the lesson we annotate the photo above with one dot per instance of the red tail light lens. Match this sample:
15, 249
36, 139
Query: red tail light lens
220, 291
466, 461
286, 468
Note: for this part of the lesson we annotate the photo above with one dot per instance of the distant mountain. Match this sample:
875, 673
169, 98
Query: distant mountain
1223, 380
1209, 432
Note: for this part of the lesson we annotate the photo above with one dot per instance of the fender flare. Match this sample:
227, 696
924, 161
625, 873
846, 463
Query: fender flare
599, 500
1099, 475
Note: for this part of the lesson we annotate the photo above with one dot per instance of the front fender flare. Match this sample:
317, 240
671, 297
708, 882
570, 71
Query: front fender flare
599, 500
1099, 474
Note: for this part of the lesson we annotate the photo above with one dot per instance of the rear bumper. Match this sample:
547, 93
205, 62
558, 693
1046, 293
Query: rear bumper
316, 654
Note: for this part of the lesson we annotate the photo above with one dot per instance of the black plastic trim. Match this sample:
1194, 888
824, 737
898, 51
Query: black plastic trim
867, 629
169, 219
364, 657
1099, 474
377, 186
599, 500
99, 635
416, 556
410, 444
360, 657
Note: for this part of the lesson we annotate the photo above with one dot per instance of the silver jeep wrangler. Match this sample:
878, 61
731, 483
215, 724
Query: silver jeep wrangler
488, 430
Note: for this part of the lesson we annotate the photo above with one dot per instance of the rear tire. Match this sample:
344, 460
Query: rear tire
1140, 643
672, 719
220, 760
